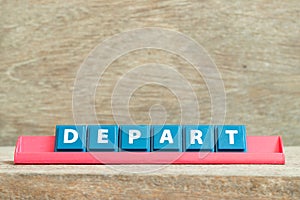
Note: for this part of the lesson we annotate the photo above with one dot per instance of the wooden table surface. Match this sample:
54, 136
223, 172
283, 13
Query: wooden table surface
150, 181
255, 45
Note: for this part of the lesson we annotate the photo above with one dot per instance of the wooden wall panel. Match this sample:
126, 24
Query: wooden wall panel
255, 45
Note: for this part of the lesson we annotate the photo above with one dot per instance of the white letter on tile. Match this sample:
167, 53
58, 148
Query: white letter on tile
102, 138
66, 136
166, 135
196, 135
134, 134
231, 135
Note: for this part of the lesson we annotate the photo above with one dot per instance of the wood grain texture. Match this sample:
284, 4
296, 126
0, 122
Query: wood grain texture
166, 182
255, 45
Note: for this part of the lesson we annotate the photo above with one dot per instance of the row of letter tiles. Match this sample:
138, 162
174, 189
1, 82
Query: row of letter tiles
228, 138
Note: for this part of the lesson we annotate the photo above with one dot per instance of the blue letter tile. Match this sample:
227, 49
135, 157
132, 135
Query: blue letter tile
167, 138
231, 138
199, 138
135, 137
102, 138
70, 138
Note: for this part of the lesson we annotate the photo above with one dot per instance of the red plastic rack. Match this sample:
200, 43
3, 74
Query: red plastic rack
40, 150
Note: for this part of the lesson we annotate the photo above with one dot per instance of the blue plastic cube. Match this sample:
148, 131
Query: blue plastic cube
70, 138
167, 137
199, 138
231, 138
102, 138
135, 137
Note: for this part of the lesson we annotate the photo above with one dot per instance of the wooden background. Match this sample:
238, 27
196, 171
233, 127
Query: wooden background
255, 44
